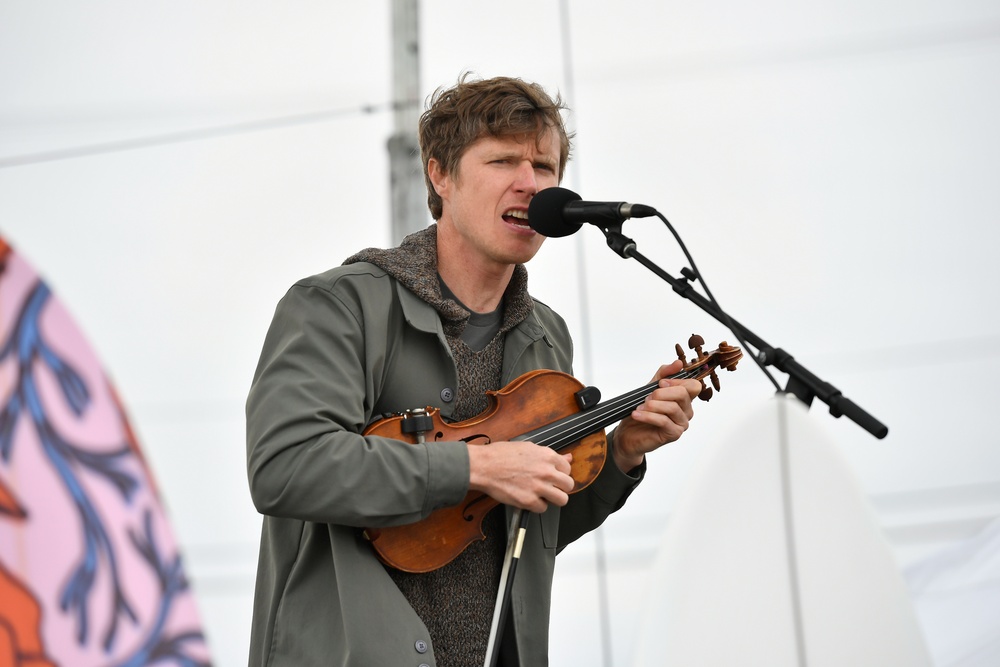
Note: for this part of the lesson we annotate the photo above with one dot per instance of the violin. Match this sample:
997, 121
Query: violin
551, 409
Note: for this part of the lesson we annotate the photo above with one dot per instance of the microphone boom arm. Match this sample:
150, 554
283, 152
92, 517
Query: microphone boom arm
801, 382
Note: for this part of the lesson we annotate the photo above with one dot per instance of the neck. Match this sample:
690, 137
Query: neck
477, 285
481, 291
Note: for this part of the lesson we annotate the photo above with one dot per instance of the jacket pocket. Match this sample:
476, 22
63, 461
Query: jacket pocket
549, 520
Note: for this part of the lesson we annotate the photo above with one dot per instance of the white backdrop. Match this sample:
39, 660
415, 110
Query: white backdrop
833, 168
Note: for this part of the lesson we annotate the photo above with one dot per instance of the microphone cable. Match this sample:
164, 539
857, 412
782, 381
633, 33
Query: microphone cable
708, 293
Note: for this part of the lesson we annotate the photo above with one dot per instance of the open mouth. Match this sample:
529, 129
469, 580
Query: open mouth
517, 218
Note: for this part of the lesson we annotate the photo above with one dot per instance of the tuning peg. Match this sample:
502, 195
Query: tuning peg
715, 381
695, 342
706, 393
680, 353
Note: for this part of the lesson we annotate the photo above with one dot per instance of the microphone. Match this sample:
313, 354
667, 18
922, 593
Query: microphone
559, 212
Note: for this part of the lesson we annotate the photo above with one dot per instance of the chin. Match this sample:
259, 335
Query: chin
526, 257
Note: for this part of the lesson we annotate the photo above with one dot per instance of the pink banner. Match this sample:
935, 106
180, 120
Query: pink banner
90, 573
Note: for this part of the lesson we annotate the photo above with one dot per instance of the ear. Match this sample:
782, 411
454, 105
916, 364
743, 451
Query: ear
439, 179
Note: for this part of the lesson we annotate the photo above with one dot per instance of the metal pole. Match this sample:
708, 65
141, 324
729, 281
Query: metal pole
409, 195
600, 550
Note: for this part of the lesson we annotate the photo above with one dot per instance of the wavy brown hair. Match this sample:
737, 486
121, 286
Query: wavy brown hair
500, 107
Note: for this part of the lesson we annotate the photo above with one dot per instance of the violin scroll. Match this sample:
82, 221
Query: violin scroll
704, 364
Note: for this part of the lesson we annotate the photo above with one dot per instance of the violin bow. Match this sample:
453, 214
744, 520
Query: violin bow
515, 540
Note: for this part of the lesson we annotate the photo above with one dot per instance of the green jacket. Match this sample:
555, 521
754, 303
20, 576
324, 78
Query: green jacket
345, 347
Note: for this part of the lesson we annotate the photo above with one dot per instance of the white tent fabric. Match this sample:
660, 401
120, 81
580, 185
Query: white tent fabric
774, 557
961, 581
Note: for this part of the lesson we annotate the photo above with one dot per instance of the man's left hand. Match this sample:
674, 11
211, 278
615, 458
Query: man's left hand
662, 418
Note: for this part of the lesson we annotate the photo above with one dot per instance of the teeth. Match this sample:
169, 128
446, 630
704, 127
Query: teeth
523, 215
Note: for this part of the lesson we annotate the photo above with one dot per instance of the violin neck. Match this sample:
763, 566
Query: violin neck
566, 431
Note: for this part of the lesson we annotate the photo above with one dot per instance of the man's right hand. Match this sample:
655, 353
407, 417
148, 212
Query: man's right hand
521, 474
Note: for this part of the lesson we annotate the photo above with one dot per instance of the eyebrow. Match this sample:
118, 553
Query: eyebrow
517, 155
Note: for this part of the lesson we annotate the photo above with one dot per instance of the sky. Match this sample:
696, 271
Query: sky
831, 166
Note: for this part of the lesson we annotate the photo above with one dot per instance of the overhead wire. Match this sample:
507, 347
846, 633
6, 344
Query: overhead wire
200, 134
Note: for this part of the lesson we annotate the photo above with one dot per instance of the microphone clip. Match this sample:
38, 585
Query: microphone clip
617, 241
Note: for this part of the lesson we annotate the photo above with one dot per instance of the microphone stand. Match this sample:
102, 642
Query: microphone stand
801, 382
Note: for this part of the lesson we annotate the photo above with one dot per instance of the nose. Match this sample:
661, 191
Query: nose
524, 178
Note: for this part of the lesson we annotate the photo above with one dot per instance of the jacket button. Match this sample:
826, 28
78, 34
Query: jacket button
420, 645
447, 394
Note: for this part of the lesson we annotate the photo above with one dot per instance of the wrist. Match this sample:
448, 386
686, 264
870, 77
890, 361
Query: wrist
628, 464
625, 460
477, 467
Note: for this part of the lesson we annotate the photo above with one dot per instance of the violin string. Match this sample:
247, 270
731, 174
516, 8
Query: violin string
613, 411
574, 427
565, 431
553, 435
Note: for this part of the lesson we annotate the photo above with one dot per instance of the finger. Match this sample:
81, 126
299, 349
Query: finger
667, 370
555, 496
665, 414
667, 418
536, 505
680, 392
671, 406
565, 483
691, 387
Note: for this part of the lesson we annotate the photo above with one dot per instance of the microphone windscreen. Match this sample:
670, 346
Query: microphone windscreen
545, 212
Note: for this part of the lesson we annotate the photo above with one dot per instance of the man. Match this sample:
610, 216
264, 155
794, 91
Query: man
435, 322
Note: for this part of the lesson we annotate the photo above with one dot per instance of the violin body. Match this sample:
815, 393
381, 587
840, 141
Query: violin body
531, 401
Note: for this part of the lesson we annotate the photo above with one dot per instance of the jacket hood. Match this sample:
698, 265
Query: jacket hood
414, 265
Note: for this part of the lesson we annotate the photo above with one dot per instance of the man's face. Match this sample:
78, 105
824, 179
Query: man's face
485, 200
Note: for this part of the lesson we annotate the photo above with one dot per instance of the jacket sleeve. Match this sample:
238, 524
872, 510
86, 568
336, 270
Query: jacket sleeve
312, 395
588, 509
